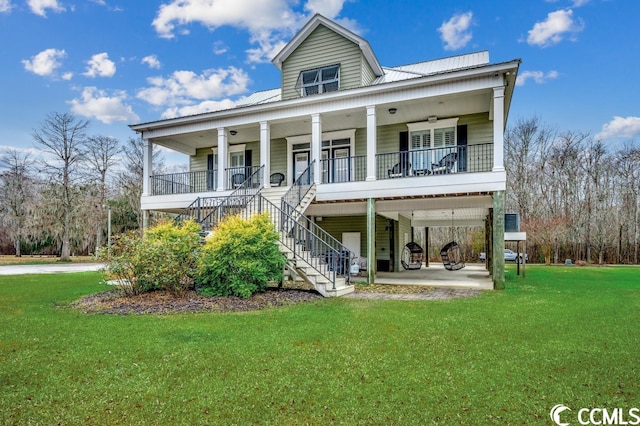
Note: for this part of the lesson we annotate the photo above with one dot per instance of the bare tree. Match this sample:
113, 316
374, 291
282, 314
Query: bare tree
63, 139
101, 156
131, 177
16, 194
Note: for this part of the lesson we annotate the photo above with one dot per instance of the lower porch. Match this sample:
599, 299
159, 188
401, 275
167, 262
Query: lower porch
474, 275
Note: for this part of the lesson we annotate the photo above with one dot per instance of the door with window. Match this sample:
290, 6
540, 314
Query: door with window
300, 163
237, 173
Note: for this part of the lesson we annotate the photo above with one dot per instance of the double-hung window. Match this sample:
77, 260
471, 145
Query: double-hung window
319, 80
430, 142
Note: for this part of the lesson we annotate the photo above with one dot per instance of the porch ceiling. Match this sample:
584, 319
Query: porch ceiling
434, 211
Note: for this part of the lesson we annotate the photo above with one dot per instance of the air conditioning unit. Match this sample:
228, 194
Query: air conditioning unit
512, 222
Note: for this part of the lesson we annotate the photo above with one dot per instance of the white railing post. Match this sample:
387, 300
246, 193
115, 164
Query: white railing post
371, 143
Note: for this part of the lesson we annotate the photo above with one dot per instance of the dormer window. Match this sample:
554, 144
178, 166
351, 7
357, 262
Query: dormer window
319, 80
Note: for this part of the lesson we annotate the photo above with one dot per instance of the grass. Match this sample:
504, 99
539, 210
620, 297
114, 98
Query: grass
565, 335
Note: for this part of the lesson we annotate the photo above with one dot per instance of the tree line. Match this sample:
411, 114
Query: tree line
577, 198
57, 201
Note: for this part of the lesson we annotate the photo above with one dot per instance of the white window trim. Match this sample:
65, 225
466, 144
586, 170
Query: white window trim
320, 83
232, 148
425, 125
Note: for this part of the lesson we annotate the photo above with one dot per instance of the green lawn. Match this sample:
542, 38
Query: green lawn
565, 335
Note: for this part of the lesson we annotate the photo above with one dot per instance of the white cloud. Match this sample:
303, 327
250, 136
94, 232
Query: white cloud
620, 127
100, 66
268, 22
95, 103
538, 76
5, 6
551, 31
202, 107
152, 61
219, 48
578, 3
187, 87
45, 63
39, 7
268, 46
455, 32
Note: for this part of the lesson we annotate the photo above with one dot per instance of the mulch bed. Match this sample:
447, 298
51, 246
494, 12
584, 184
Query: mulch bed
160, 302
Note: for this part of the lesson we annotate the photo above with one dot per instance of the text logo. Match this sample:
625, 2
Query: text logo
555, 414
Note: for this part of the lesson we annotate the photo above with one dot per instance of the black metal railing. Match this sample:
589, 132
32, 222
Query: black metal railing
184, 183
305, 239
199, 209
235, 202
236, 176
347, 169
435, 161
300, 187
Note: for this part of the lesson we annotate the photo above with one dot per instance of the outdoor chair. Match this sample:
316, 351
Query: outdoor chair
237, 180
445, 165
399, 170
276, 179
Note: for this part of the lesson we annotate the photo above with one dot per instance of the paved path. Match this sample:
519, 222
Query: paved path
435, 294
53, 268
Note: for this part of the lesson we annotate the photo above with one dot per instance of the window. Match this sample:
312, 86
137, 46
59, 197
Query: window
319, 80
430, 142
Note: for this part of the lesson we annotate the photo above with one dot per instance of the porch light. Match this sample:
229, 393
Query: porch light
432, 119
233, 132
393, 110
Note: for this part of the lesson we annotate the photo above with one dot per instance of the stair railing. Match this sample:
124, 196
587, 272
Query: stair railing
305, 239
197, 210
301, 186
235, 202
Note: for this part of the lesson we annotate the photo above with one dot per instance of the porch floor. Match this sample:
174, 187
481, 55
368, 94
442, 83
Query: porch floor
473, 276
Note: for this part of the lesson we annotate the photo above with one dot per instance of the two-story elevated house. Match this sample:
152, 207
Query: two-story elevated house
347, 155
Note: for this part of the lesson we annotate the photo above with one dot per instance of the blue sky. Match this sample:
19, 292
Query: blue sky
118, 62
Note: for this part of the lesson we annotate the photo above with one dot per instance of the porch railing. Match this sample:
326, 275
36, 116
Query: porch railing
199, 209
347, 169
184, 183
236, 176
435, 161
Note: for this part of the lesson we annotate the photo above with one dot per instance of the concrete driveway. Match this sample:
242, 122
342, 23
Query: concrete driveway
53, 268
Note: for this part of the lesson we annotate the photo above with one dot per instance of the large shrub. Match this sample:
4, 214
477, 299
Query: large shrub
164, 258
240, 258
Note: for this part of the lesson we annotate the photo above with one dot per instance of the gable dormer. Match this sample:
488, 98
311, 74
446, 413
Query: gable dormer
325, 57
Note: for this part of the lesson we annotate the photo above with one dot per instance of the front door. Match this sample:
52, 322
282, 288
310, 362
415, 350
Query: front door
300, 163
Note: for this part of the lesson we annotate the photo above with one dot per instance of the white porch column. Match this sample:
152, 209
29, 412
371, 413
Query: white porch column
498, 129
223, 148
265, 151
372, 133
316, 146
147, 166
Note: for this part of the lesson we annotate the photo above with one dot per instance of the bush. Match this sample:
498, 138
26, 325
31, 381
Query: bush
240, 258
163, 259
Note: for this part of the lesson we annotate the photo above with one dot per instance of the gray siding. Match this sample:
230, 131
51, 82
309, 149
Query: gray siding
198, 162
479, 128
335, 226
279, 157
323, 47
404, 227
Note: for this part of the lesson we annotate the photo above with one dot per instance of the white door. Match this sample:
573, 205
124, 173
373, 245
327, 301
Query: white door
300, 163
351, 240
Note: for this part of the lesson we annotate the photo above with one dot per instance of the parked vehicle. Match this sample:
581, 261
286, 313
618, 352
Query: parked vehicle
509, 256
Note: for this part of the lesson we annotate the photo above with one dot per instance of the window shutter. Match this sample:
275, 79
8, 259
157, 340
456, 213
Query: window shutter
462, 148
